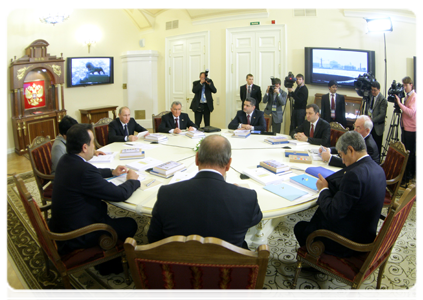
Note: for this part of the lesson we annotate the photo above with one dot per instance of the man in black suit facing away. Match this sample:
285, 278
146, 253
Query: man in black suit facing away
202, 104
363, 125
206, 205
350, 200
79, 190
176, 121
333, 105
122, 128
250, 118
315, 130
250, 90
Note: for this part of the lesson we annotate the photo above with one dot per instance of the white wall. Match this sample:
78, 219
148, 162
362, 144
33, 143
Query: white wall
330, 28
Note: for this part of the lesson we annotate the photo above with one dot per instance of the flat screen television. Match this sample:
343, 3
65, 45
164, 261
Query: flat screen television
86, 71
342, 65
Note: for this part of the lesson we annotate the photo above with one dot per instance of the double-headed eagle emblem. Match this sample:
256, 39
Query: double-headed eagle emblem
34, 94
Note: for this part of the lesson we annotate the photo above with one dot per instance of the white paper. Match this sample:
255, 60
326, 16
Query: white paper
141, 134
182, 176
122, 178
144, 164
108, 158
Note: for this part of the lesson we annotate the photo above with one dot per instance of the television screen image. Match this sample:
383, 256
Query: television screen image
83, 71
342, 65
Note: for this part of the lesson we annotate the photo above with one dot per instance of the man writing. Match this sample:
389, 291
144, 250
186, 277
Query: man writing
122, 128
315, 130
350, 200
333, 105
206, 205
250, 90
363, 125
249, 118
176, 120
80, 188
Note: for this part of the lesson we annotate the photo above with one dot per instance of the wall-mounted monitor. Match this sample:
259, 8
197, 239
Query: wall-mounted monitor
86, 71
342, 65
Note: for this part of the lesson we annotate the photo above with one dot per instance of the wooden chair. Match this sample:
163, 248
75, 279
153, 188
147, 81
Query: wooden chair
394, 167
194, 262
157, 119
101, 132
108, 248
336, 130
268, 119
40, 157
354, 270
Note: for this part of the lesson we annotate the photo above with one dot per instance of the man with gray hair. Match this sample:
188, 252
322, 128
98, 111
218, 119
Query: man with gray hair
350, 200
206, 205
176, 120
363, 125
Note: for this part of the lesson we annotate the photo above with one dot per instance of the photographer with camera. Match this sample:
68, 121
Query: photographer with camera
300, 96
275, 98
202, 104
376, 110
408, 127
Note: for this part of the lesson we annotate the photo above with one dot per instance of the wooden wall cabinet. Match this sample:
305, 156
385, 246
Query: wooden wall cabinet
37, 95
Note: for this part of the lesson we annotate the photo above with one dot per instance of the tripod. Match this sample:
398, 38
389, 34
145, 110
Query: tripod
392, 132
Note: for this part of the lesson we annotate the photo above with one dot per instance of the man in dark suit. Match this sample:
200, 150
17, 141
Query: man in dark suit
363, 125
300, 96
333, 105
80, 188
206, 205
122, 128
250, 90
350, 200
376, 110
176, 121
250, 118
202, 104
315, 130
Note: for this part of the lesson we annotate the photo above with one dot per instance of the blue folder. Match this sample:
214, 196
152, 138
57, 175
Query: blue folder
285, 191
314, 171
306, 181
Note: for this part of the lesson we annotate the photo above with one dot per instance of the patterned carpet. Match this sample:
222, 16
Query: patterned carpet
23, 247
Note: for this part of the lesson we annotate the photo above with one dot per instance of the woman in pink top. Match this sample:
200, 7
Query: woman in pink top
408, 125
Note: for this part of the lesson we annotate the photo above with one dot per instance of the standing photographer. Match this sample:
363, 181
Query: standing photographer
300, 96
408, 126
202, 104
376, 110
275, 98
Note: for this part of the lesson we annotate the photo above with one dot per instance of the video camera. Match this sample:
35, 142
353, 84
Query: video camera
289, 80
396, 89
363, 85
206, 73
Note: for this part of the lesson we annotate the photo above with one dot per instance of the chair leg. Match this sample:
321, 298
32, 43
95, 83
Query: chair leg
297, 274
125, 269
66, 281
379, 276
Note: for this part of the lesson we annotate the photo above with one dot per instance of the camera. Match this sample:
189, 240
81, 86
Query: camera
289, 80
206, 73
363, 85
396, 89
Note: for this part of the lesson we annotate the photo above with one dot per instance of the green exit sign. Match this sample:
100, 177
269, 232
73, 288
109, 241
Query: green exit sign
254, 23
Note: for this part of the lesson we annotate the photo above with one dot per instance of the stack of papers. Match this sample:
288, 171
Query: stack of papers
241, 133
122, 178
156, 137
274, 166
168, 167
298, 143
195, 134
141, 134
144, 164
305, 181
286, 191
263, 176
131, 153
276, 140
108, 158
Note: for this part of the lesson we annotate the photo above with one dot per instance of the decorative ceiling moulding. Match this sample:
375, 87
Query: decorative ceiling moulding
311, 12
395, 15
238, 15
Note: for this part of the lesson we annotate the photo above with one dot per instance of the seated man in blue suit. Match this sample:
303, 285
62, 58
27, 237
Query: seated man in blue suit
176, 121
350, 200
206, 205
250, 118
314, 130
122, 129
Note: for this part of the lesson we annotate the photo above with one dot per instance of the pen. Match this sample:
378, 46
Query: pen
148, 184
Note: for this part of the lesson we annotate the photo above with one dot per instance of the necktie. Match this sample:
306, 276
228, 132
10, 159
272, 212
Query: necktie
248, 119
249, 91
312, 130
176, 123
126, 130
332, 105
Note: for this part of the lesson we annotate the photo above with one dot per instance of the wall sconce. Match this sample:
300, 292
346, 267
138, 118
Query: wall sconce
89, 35
379, 25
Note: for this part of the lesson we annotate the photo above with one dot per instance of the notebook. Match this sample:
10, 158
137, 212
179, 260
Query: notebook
306, 181
285, 191
315, 171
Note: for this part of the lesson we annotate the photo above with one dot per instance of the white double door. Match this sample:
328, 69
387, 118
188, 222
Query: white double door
259, 51
186, 57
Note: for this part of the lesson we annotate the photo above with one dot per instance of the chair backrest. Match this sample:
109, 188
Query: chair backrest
268, 119
336, 130
40, 157
394, 164
37, 220
194, 262
101, 132
157, 119
389, 231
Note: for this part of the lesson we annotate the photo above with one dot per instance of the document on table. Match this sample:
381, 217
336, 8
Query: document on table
142, 145
182, 176
144, 164
122, 178
108, 158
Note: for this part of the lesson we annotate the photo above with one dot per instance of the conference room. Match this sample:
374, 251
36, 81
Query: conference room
159, 53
